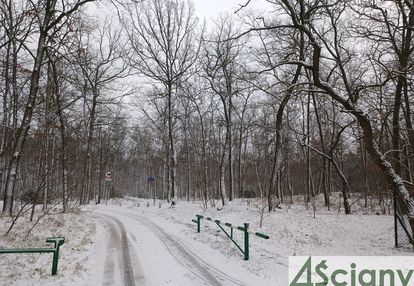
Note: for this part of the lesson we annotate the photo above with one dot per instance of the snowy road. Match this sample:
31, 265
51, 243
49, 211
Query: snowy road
141, 252
118, 262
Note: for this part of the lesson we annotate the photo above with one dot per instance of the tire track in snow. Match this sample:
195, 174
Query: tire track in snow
184, 255
118, 239
109, 259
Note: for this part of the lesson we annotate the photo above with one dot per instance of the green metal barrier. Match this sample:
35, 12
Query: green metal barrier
244, 228
58, 241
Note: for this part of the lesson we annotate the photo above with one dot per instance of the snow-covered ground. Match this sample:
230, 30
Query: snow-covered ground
35, 269
128, 243
159, 253
292, 231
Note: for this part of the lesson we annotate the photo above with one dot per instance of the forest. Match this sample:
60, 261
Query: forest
306, 98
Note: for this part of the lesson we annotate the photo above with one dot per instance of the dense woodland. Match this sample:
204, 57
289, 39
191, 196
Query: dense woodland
306, 98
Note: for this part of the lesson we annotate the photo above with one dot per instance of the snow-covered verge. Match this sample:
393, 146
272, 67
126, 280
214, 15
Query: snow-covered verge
79, 231
292, 229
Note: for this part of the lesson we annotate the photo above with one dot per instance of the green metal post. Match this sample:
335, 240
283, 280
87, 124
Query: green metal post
246, 241
58, 241
229, 234
55, 262
262, 235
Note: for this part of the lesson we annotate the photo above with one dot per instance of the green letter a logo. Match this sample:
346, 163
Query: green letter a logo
308, 267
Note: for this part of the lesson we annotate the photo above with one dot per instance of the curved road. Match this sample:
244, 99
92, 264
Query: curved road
140, 252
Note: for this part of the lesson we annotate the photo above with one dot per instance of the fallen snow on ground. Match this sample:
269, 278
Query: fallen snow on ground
35, 269
160, 254
292, 229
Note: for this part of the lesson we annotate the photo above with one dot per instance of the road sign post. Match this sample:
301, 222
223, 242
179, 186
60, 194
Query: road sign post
152, 180
108, 177
108, 181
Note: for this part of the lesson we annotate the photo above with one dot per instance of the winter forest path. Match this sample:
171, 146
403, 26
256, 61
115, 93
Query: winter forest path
140, 252
119, 254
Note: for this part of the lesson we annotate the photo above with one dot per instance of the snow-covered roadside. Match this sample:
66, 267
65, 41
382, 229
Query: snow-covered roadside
166, 256
293, 231
80, 234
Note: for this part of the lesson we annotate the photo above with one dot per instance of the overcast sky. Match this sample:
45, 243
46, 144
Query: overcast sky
205, 9
209, 9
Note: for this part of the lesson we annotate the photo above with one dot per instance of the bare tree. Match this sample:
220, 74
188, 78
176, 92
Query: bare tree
388, 30
164, 43
50, 16
268, 56
195, 94
101, 61
15, 27
222, 60
353, 90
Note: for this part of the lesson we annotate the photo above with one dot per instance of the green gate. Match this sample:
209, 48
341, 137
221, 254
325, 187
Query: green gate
58, 241
229, 234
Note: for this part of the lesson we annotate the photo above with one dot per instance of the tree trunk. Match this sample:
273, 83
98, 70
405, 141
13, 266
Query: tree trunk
222, 185
101, 170
173, 167
278, 139
364, 122
87, 171
324, 165
364, 166
230, 147
22, 131
187, 153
